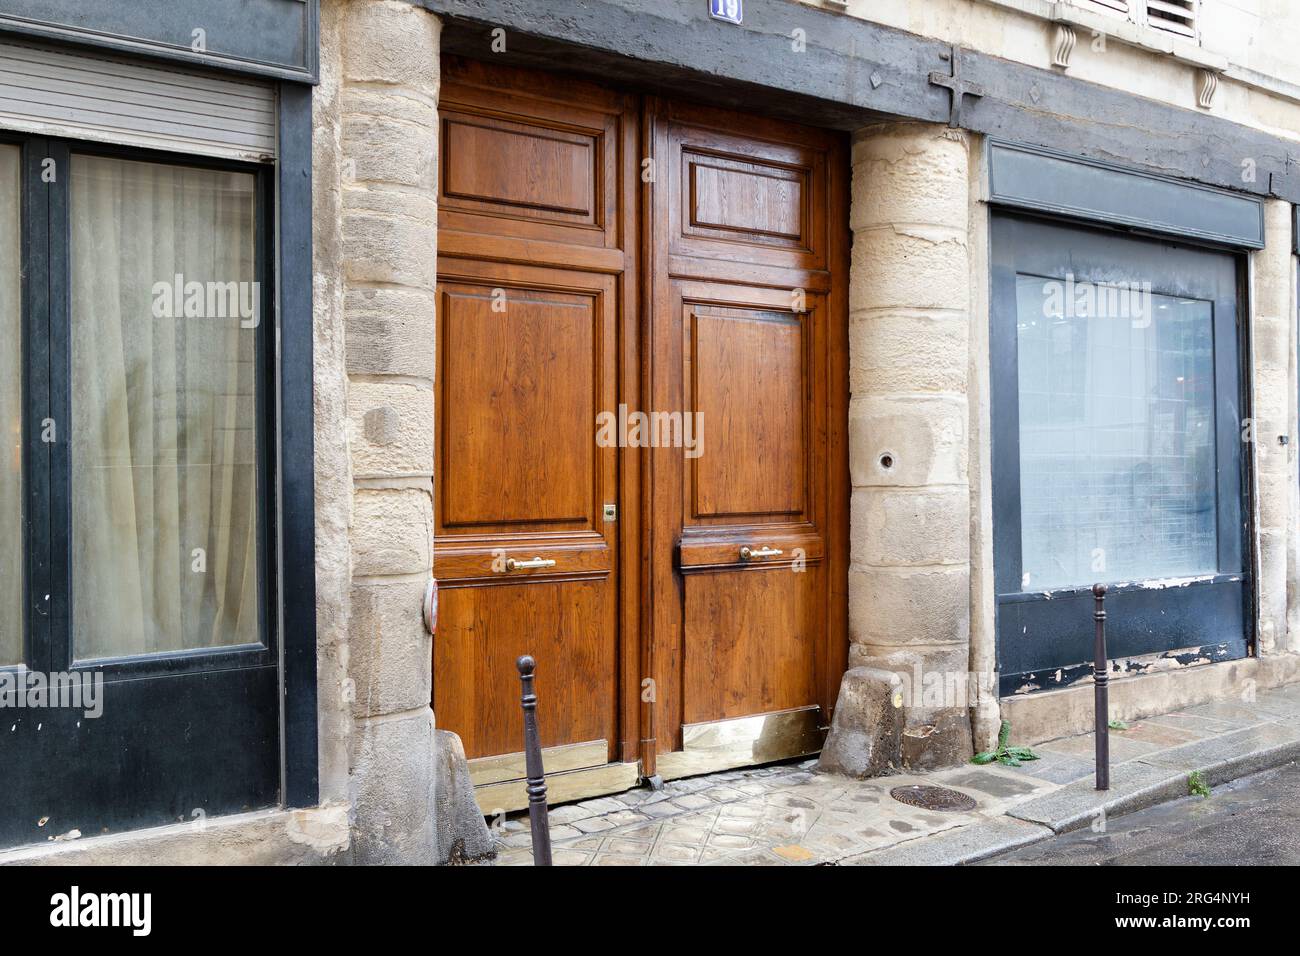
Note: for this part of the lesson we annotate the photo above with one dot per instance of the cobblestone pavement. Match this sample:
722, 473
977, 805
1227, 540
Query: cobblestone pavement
770, 816
787, 815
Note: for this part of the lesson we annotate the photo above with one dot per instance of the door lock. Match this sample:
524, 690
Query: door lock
609, 511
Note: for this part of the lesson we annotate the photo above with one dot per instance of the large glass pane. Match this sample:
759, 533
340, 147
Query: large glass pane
11, 399
1117, 453
164, 477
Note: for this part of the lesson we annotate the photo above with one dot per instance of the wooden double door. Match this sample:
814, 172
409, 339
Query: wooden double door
641, 474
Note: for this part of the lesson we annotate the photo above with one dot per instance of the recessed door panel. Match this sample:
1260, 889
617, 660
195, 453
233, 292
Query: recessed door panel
521, 393
482, 631
752, 637
745, 376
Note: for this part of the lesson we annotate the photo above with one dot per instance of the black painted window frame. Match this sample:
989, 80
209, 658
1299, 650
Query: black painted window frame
286, 422
1072, 605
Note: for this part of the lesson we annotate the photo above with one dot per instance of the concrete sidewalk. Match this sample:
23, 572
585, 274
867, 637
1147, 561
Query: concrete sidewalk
789, 815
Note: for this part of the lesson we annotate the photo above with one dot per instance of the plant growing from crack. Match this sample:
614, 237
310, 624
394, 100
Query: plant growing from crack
1196, 785
1117, 725
1005, 754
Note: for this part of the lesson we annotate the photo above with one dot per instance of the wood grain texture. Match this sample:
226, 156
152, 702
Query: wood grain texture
479, 639
744, 381
752, 637
532, 168
520, 390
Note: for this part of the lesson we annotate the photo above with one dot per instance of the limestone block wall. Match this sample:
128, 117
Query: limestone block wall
376, 251
909, 332
1273, 348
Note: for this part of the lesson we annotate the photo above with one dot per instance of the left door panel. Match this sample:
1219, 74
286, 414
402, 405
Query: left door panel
535, 216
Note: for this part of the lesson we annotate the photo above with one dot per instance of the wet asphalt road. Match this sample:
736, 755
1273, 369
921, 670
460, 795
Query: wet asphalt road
1254, 821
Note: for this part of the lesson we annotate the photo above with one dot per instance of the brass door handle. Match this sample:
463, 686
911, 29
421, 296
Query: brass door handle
748, 554
513, 565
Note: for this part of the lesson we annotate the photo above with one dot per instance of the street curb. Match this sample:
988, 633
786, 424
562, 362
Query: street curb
1022, 826
1170, 787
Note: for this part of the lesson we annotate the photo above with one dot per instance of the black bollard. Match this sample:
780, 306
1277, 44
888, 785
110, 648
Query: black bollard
1101, 688
538, 817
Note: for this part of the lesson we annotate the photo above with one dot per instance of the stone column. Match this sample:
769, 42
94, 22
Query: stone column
909, 599
1273, 363
387, 132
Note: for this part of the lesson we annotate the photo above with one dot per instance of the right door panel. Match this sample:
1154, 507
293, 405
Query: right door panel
746, 521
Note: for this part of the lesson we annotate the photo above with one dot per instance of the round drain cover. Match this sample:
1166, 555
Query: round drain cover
933, 798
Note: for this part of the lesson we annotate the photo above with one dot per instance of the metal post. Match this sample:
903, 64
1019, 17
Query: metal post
538, 818
1101, 688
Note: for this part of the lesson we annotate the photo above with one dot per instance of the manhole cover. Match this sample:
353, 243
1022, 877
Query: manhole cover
932, 798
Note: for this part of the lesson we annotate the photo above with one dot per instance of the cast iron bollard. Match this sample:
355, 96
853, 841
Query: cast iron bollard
1101, 689
538, 818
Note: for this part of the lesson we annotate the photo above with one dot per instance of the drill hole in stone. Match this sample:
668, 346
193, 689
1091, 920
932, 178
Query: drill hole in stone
886, 461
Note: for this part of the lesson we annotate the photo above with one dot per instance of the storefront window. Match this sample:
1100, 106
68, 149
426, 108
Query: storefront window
1117, 434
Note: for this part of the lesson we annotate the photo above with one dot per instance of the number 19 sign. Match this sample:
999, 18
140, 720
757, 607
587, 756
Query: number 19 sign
733, 11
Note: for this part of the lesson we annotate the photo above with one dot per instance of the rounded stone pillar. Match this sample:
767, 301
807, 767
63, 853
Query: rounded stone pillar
909, 355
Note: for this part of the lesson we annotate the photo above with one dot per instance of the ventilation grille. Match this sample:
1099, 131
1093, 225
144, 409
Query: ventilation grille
1120, 5
100, 97
1176, 16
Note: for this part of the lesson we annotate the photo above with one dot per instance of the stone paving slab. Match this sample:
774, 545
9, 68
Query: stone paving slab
960, 845
1156, 777
1133, 785
787, 815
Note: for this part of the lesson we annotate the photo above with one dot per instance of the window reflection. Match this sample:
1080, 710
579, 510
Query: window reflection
1117, 458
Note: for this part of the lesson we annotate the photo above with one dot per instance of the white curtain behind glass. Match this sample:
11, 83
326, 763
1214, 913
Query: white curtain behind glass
11, 396
164, 478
